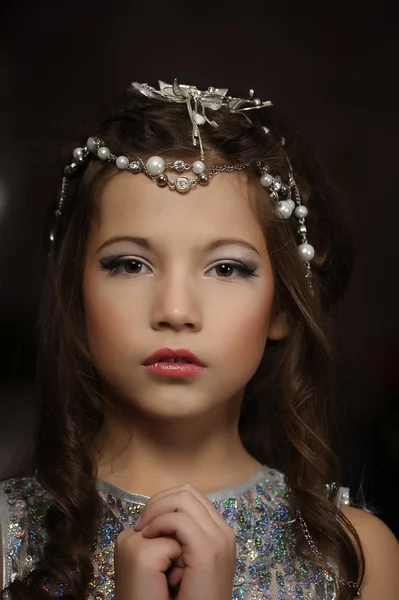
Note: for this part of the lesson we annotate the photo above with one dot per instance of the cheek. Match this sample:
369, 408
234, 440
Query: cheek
111, 320
243, 331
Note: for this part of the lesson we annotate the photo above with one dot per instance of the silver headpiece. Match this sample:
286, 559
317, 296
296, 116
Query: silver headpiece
285, 194
197, 102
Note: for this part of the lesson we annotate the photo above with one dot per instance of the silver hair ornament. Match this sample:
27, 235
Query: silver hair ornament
285, 195
198, 101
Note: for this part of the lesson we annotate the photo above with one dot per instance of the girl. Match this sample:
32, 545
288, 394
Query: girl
182, 448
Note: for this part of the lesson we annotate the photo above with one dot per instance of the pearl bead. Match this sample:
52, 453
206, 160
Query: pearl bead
77, 152
291, 204
306, 252
198, 167
301, 212
155, 165
122, 162
103, 152
266, 180
91, 144
284, 210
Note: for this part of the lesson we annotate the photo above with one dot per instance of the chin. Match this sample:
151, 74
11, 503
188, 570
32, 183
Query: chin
171, 404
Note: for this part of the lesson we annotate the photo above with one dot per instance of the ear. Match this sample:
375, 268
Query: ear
278, 328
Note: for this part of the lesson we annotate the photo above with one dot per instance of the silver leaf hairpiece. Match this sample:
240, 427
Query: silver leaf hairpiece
198, 101
285, 195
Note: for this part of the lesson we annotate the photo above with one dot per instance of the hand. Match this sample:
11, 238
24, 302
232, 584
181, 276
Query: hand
141, 564
203, 567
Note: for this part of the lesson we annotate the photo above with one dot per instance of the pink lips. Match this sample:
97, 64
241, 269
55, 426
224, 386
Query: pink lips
174, 363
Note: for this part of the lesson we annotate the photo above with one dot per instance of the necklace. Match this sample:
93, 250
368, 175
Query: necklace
350, 584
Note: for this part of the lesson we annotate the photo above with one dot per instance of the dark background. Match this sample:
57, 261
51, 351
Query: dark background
331, 67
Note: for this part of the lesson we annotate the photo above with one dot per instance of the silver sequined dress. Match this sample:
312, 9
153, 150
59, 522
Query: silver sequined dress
258, 510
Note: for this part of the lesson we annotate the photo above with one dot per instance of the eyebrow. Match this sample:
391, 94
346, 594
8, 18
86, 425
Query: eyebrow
145, 243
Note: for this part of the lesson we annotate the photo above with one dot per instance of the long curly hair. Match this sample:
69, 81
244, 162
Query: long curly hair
288, 405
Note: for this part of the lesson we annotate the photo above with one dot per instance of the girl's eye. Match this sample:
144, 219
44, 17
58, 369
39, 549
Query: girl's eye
128, 265
230, 270
125, 265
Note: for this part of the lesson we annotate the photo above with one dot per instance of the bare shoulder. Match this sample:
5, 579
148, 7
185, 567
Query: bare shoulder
381, 552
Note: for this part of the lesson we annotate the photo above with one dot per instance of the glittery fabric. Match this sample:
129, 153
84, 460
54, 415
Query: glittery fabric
258, 510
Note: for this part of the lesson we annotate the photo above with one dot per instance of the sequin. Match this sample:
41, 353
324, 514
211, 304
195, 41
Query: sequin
266, 563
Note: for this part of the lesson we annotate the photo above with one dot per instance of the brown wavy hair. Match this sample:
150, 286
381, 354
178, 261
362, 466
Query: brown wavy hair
289, 431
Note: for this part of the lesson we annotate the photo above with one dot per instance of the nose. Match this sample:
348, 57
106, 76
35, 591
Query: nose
176, 304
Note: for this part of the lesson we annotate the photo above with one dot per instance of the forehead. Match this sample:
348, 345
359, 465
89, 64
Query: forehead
135, 205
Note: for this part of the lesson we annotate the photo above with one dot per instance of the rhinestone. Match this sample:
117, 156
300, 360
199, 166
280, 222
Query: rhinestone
284, 189
70, 169
182, 184
135, 166
179, 165
277, 183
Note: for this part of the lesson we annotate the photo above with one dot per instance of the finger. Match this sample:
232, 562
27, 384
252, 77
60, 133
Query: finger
181, 526
174, 576
162, 553
180, 502
187, 486
185, 498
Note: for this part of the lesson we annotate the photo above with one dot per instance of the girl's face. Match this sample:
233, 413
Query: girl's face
168, 270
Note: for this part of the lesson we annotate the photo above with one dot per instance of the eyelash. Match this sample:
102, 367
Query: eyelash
112, 265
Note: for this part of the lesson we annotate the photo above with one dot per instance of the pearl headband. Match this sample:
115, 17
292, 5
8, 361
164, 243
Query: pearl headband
285, 195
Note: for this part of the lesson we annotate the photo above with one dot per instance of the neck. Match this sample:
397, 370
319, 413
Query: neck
146, 456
